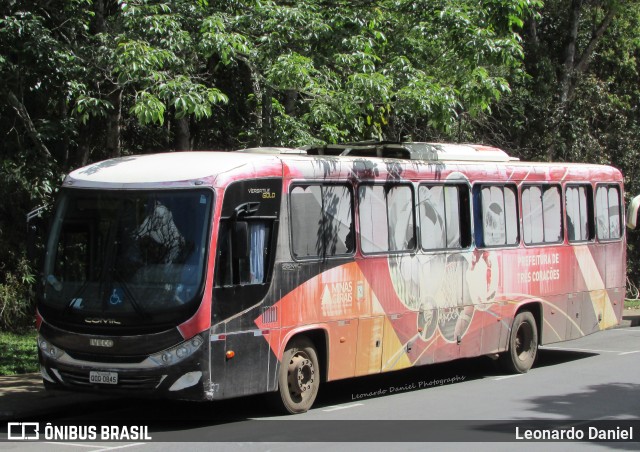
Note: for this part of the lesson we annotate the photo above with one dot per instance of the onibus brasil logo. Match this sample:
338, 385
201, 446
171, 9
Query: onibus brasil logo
32, 431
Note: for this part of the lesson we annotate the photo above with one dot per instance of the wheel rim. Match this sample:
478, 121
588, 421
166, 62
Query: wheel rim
524, 342
300, 377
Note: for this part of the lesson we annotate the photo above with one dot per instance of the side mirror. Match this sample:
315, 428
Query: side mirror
241, 243
632, 213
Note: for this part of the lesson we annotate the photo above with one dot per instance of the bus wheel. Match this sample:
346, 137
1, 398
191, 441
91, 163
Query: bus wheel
299, 376
523, 344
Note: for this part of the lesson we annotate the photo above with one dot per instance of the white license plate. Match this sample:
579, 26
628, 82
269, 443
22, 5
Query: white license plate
103, 378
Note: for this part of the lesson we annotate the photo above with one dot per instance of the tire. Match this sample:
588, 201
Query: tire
523, 344
299, 376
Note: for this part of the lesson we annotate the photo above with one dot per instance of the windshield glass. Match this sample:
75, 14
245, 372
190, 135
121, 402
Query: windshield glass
127, 253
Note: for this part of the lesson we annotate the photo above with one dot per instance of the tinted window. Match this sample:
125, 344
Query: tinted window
247, 229
246, 245
250, 268
306, 221
321, 220
125, 252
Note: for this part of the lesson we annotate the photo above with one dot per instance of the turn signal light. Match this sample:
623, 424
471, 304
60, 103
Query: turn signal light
230, 354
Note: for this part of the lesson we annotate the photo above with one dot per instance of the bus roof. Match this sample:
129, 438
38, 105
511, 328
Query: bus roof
332, 161
415, 151
164, 167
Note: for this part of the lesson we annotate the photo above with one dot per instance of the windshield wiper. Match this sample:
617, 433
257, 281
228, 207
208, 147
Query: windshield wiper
74, 298
127, 291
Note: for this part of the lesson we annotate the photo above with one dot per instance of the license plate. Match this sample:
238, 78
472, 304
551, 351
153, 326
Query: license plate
103, 378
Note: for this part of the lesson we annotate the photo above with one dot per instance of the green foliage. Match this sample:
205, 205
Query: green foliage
85, 80
148, 108
18, 353
16, 310
598, 122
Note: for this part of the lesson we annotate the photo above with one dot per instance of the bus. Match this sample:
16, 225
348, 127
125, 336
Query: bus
212, 275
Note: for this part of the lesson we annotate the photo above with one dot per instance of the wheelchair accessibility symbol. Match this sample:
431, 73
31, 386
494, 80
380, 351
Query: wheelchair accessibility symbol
116, 297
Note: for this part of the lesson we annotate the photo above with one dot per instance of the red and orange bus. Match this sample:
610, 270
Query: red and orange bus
211, 275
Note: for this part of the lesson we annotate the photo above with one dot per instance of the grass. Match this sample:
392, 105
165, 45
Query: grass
18, 353
631, 304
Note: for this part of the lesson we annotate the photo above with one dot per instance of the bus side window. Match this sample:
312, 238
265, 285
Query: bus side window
306, 221
234, 267
386, 218
499, 219
444, 217
247, 233
541, 214
400, 217
374, 227
608, 215
321, 221
579, 218
433, 226
338, 220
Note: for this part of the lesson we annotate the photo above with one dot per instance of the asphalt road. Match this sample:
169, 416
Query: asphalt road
589, 379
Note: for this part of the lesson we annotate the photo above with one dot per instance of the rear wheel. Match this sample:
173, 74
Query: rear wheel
299, 376
523, 344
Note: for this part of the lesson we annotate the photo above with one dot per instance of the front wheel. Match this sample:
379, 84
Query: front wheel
299, 376
523, 344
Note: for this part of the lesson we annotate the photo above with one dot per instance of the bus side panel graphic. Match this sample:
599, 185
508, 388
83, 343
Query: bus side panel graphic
395, 312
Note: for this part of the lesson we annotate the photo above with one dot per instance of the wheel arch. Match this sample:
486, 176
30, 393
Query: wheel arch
319, 337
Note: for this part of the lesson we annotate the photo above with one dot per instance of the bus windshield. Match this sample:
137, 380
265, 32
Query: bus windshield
127, 253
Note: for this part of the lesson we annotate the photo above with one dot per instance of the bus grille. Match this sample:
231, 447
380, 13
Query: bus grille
141, 382
92, 357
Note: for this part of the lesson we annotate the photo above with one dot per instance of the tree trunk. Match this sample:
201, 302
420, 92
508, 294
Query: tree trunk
182, 137
98, 18
32, 132
267, 116
576, 63
257, 92
63, 109
113, 142
570, 51
290, 98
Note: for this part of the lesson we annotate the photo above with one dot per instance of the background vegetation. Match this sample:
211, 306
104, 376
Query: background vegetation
85, 80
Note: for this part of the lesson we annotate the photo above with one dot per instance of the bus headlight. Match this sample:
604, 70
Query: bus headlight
178, 353
48, 349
